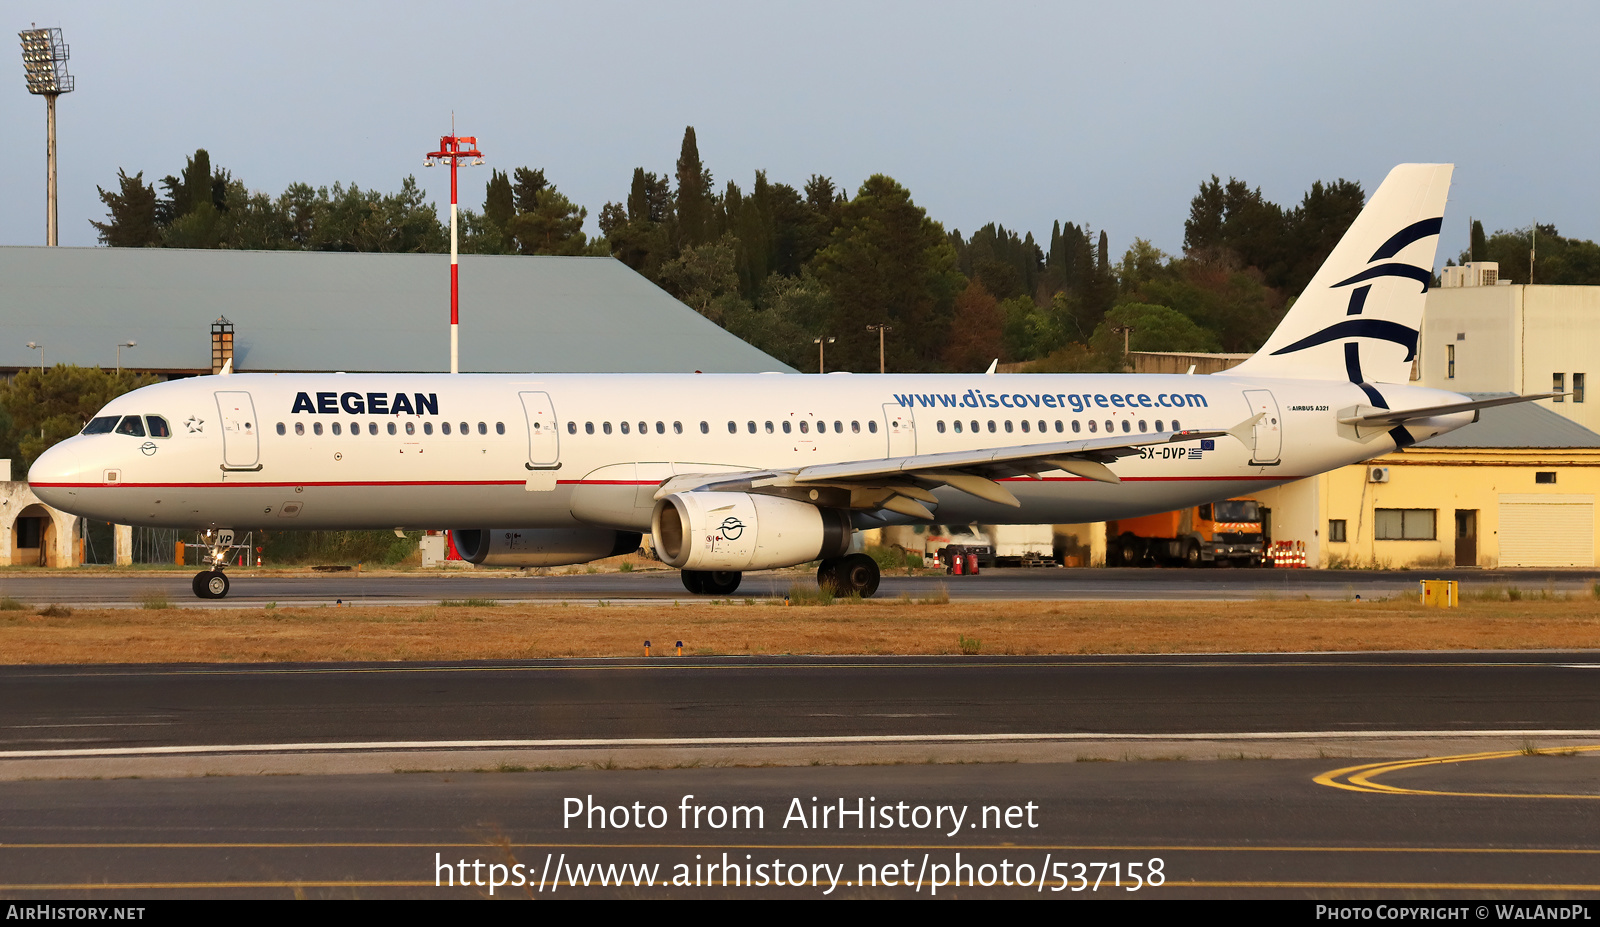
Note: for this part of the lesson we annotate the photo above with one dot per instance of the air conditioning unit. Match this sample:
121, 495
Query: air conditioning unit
1377, 474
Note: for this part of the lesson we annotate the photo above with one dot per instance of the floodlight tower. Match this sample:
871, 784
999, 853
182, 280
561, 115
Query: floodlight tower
454, 150
44, 62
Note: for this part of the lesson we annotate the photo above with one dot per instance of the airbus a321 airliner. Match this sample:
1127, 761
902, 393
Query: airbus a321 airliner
730, 473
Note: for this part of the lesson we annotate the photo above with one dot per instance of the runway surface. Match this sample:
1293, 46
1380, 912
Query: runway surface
256, 589
99, 707
1500, 825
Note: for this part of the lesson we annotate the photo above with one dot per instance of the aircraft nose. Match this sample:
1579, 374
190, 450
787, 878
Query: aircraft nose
54, 470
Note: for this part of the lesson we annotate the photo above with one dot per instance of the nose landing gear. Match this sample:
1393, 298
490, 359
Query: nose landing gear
212, 583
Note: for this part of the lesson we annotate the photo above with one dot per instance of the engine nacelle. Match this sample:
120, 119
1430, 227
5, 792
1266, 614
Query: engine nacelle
530, 547
738, 531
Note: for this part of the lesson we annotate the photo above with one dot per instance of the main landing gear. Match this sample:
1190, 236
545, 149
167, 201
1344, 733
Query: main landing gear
212, 583
856, 574
711, 582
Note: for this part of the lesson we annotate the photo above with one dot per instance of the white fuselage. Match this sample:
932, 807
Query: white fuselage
303, 451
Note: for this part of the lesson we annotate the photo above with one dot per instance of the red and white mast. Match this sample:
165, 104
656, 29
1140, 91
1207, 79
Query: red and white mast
453, 150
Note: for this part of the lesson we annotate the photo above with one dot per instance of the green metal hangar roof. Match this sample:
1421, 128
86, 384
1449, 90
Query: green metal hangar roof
317, 311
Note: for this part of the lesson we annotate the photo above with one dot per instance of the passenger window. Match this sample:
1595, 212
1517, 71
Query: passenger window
751, 427
1074, 426
733, 428
1024, 426
1058, 426
482, 428
786, 427
300, 428
822, 428
411, 428
133, 426
391, 428
939, 426
1008, 426
803, 428
316, 428
661, 428
280, 430
1092, 426
872, 426
427, 428
644, 428
465, 428
1042, 428
677, 428
991, 426
855, 428
975, 426
336, 428
957, 425
1110, 426
444, 427
1143, 425
588, 428
158, 426
499, 428
769, 428
1158, 426
705, 428
623, 426
605, 427
1127, 426
372, 428
838, 428
572, 428
1176, 426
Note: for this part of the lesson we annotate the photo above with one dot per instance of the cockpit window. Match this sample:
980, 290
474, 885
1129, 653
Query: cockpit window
158, 426
131, 425
101, 425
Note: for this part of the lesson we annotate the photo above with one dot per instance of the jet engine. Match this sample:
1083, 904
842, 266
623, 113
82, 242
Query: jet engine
732, 531
530, 547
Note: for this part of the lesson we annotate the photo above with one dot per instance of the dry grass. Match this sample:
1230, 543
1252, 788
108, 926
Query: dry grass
519, 631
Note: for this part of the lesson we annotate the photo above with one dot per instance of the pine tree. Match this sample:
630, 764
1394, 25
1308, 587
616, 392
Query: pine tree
132, 214
499, 203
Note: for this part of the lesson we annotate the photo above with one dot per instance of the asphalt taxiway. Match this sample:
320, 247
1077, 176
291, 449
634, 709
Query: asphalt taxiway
257, 588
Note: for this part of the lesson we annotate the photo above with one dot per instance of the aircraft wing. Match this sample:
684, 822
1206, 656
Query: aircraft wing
901, 484
1366, 415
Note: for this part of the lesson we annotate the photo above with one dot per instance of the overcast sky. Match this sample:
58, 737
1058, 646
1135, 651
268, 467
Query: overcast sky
1109, 114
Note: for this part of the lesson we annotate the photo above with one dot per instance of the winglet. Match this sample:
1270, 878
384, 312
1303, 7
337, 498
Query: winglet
992, 365
1245, 430
227, 368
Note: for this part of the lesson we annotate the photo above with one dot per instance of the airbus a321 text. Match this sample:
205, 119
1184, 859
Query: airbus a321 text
731, 473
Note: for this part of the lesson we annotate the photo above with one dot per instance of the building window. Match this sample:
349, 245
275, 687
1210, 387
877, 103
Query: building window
1544, 476
1450, 362
1577, 387
1558, 384
1336, 530
1404, 524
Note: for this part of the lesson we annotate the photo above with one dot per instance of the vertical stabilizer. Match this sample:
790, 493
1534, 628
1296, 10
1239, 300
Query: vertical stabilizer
1359, 317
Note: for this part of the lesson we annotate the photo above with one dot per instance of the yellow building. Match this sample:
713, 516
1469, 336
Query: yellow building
1515, 489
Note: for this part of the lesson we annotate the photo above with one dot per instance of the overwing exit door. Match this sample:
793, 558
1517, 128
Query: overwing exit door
902, 430
544, 441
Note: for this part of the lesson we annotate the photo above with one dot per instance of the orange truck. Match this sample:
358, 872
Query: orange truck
1229, 530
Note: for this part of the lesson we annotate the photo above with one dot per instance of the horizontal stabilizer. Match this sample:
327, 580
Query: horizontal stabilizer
1398, 416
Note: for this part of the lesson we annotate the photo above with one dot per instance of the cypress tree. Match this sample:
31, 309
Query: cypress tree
694, 193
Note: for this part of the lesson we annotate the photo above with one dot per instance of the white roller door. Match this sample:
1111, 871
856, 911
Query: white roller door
1555, 530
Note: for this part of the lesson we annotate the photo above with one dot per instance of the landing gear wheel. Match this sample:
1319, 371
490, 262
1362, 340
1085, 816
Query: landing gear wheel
720, 582
857, 574
210, 584
694, 581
